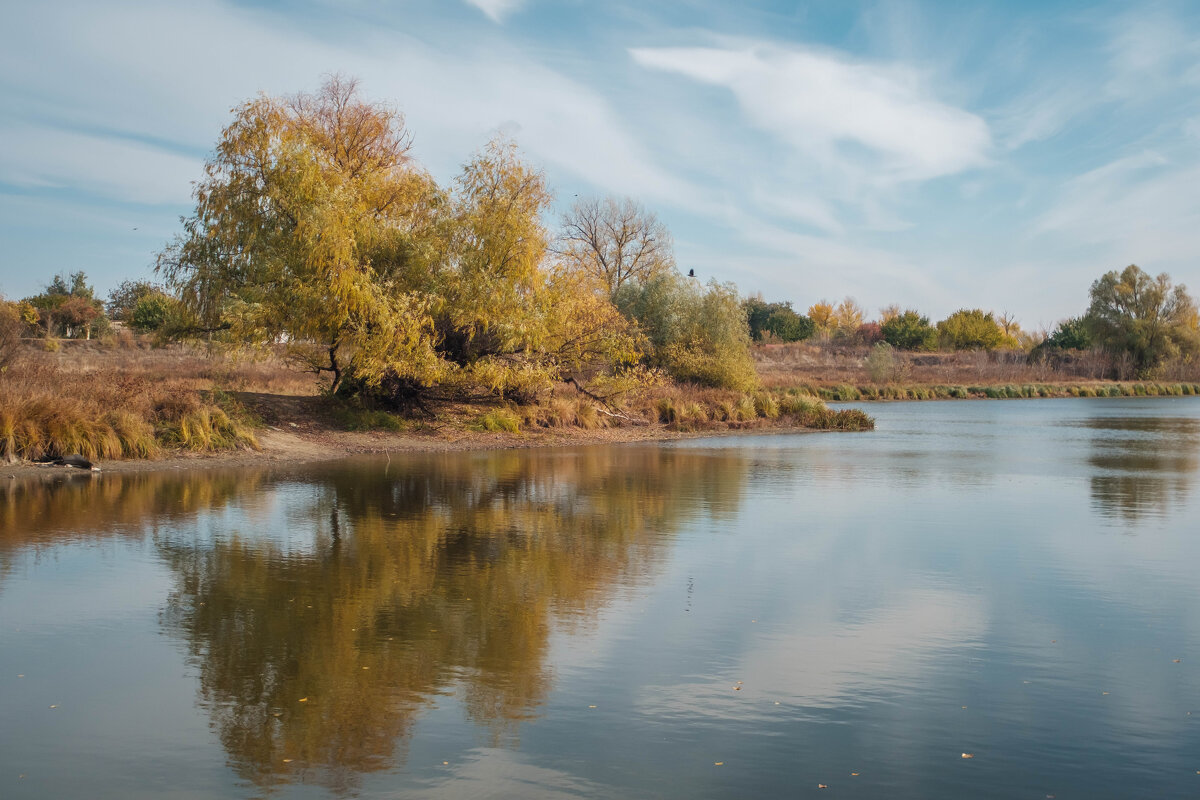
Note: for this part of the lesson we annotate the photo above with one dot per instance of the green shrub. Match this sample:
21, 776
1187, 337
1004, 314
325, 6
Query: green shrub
151, 312
696, 334
970, 329
500, 420
882, 364
909, 331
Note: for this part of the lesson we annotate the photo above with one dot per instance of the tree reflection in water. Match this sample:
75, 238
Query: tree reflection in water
1142, 464
318, 646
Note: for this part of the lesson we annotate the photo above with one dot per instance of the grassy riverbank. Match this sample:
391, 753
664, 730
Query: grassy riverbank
845, 372
845, 392
133, 402
111, 402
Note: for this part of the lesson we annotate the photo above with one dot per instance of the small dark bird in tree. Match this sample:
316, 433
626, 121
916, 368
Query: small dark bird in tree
691, 273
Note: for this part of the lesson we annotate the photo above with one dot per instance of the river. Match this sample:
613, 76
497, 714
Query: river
979, 599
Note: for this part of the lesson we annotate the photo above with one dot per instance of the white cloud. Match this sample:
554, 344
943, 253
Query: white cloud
856, 116
497, 10
117, 69
1042, 113
42, 157
1141, 200
1150, 52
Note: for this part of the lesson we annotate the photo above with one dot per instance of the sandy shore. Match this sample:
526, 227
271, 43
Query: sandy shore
280, 446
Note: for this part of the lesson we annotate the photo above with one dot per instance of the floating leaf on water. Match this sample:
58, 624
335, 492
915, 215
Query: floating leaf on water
20, 676
303, 699
591, 706
718, 763
54, 706
822, 786
854, 774
968, 755
1177, 660
287, 761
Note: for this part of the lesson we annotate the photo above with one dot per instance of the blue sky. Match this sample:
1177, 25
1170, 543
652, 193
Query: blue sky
932, 154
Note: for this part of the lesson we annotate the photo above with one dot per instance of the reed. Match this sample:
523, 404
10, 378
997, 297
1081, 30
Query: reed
499, 420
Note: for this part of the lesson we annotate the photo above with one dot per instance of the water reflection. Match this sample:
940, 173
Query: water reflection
799, 608
1141, 464
412, 581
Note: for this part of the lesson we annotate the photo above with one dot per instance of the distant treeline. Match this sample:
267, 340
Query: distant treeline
1141, 322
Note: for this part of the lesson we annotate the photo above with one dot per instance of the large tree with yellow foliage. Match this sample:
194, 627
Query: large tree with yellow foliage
314, 227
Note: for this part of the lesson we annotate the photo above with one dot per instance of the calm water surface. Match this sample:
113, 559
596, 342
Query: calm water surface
747, 616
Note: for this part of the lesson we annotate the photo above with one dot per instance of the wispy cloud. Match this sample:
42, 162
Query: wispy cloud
848, 114
453, 100
1150, 51
497, 10
1140, 208
117, 169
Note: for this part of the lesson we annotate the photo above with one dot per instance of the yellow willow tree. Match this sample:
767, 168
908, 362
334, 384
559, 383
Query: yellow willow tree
511, 322
313, 227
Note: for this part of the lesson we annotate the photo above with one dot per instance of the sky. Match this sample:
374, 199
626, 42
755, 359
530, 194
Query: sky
937, 155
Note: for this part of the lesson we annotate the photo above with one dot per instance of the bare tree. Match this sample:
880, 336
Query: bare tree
1008, 323
615, 241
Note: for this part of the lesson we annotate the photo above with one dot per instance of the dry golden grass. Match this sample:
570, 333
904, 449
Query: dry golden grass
186, 365
106, 407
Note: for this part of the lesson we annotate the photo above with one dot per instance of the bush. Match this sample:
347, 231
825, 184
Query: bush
1071, 334
151, 313
776, 319
882, 364
909, 331
971, 329
696, 334
869, 333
